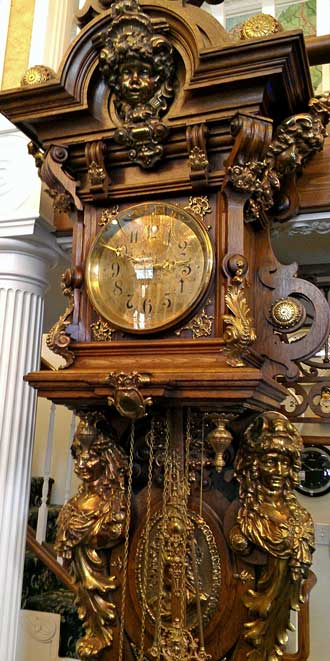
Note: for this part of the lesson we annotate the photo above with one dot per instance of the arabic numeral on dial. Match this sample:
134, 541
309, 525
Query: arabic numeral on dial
182, 246
147, 306
115, 268
134, 236
186, 270
167, 302
129, 303
117, 290
181, 285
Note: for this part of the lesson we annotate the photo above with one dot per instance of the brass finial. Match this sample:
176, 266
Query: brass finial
37, 75
260, 25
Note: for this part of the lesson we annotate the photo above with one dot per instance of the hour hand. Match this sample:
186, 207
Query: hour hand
120, 252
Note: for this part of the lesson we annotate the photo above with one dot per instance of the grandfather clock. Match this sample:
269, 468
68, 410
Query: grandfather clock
172, 149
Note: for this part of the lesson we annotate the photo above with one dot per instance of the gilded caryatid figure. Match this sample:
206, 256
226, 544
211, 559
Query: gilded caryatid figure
270, 519
89, 525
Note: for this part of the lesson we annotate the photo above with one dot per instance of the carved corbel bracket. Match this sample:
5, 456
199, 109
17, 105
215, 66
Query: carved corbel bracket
245, 167
98, 179
62, 186
239, 333
197, 155
127, 397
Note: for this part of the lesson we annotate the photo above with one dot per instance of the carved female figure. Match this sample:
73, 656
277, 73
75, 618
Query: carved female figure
270, 519
91, 523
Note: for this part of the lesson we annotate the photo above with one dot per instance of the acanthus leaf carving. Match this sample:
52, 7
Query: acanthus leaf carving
239, 333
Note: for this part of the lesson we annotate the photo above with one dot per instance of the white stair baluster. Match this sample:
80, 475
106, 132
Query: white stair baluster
68, 479
43, 509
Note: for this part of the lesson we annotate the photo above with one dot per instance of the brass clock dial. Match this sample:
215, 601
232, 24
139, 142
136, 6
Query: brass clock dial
148, 267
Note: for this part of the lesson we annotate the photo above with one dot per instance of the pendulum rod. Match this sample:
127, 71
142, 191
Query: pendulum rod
150, 441
186, 521
126, 544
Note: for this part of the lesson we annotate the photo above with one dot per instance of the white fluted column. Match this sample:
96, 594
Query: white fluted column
28, 249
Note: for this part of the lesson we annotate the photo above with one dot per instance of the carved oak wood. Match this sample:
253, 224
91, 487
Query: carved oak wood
210, 140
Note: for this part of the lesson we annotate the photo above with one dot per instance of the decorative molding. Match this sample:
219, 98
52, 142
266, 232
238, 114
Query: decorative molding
108, 215
200, 325
102, 331
200, 206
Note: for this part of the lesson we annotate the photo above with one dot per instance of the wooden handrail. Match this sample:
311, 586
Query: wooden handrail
47, 558
318, 49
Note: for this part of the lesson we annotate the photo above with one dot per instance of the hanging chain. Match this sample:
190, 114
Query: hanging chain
202, 471
126, 545
150, 441
167, 470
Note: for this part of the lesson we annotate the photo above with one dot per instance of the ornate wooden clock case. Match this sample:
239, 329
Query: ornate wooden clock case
171, 149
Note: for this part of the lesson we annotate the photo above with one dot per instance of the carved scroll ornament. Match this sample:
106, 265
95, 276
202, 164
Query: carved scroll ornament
270, 519
58, 340
138, 66
91, 523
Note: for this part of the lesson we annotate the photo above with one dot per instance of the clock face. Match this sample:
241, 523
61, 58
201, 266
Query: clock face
315, 471
149, 267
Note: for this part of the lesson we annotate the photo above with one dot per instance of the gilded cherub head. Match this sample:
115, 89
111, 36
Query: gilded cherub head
137, 64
